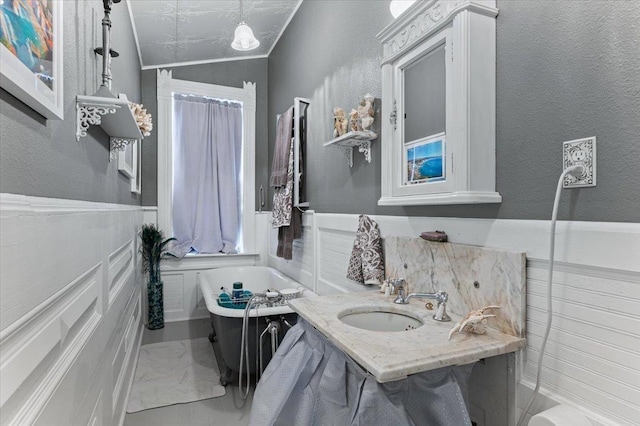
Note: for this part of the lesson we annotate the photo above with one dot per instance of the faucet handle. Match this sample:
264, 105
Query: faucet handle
442, 297
397, 283
441, 313
398, 286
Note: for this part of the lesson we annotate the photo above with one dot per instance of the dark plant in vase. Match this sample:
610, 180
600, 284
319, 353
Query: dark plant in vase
153, 248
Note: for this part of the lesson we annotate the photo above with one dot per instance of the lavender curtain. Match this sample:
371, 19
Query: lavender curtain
207, 146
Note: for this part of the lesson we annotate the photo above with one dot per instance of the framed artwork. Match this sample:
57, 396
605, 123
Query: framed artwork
31, 58
129, 164
136, 185
126, 159
424, 161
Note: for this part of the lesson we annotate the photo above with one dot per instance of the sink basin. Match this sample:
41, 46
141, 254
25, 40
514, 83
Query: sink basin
381, 321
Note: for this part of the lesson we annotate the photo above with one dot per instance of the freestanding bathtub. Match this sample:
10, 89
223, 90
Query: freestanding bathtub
227, 322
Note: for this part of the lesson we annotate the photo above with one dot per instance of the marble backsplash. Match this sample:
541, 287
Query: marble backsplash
429, 266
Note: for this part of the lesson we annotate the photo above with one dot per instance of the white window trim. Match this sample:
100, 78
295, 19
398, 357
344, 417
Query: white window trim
166, 87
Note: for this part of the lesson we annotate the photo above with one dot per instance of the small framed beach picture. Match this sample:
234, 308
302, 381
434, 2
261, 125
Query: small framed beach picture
31, 54
424, 160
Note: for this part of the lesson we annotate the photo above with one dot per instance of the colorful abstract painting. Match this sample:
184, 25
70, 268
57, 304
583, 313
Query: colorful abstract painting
27, 31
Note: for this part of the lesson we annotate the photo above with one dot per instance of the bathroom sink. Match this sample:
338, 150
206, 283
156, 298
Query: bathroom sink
381, 321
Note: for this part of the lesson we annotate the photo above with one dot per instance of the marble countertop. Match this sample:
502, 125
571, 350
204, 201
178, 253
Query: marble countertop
392, 356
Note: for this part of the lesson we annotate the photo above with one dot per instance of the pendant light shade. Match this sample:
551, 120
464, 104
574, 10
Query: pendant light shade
397, 7
244, 38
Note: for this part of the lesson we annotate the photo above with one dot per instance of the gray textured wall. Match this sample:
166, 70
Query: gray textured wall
565, 70
231, 73
41, 157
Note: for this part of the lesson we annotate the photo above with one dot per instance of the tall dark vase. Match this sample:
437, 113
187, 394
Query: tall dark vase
156, 305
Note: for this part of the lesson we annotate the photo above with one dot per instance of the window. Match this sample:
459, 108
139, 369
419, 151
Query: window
178, 199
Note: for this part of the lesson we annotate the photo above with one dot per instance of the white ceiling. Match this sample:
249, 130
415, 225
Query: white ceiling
177, 31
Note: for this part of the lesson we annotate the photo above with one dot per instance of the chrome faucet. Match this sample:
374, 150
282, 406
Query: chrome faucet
441, 297
398, 285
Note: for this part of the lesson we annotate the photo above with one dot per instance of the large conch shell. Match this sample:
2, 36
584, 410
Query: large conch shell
474, 322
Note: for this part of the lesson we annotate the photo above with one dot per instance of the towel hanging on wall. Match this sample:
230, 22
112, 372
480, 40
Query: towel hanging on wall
284, 216
280, 163
366, 264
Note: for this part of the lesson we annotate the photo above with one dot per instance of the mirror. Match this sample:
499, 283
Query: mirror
424, 96
424, 116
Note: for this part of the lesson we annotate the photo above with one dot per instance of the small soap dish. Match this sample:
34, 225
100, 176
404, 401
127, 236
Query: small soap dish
438, 236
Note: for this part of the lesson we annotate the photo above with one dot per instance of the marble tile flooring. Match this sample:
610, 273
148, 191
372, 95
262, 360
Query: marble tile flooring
227, 410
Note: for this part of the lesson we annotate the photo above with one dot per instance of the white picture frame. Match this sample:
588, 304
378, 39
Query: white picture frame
136, 181
129, 164
36, 81
127, 158
432, 153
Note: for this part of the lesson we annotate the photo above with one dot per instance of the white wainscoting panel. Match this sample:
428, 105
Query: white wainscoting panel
40, 335
123, 359
68, 270
150, 214
173, 292
121, 263
182, 298
301, 267
593, 360
95, 419
263, 225
593, 353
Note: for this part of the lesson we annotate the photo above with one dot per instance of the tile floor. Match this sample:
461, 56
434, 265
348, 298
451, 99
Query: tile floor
227, 410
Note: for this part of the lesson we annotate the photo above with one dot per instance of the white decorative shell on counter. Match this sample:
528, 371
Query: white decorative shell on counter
474, 322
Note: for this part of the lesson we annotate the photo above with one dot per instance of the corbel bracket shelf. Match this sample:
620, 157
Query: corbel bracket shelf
346, 143
113, 115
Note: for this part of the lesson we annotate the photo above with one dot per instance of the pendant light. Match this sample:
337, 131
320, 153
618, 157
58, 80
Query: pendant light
244, 39
397, 7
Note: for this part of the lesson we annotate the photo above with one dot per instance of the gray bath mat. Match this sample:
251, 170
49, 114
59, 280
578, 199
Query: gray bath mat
174, 373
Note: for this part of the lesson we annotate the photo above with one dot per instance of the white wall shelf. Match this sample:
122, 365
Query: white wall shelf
113, 115
346, 143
